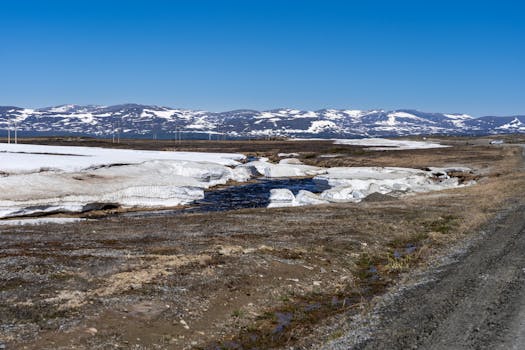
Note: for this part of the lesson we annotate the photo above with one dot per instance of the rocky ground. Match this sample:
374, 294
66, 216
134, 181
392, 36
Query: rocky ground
258, 278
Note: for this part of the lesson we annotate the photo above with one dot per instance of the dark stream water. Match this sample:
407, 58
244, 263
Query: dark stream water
252, 195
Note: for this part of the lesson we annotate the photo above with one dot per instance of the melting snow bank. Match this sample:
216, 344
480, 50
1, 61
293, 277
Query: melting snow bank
290, 167
379, 144
354, 184
21, 158
39, 221
51, 179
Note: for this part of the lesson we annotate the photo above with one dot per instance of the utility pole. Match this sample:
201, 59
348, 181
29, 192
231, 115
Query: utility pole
8, 130
118, 130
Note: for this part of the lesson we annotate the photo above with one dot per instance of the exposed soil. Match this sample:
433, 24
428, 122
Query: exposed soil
252, 278
249, 147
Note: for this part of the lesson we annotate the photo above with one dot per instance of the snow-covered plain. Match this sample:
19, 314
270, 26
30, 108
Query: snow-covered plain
36, 180
39, 221
49, 179
21, 158
379, 144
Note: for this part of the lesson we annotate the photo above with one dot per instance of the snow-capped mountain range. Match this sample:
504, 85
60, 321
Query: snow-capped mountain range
133, 120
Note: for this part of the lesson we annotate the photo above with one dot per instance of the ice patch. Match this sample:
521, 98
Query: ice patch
308, 198
283, 170
39, 221
281, 197
290, 161
379, 144
339, 194
286, 155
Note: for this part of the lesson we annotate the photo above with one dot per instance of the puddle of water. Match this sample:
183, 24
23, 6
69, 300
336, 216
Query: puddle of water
283, 320
252, 195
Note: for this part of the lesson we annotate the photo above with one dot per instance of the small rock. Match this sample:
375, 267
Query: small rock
90, 331
317, 283
184, 324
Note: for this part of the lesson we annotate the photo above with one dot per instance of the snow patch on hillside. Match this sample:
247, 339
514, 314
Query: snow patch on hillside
319, 126
515, 124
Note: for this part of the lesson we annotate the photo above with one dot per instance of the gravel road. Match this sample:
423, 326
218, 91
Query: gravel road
476, 302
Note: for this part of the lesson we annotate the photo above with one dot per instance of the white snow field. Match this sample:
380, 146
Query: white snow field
354, 184
37, 180
290, 167
40, 221
48, 179
19, 158
379, 144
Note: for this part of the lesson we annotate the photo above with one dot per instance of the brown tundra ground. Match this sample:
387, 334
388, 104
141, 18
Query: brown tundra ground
250, 278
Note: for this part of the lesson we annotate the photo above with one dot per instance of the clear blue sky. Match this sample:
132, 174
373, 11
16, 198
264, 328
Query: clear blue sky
440, 55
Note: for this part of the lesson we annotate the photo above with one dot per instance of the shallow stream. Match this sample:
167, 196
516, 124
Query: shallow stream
252, 195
